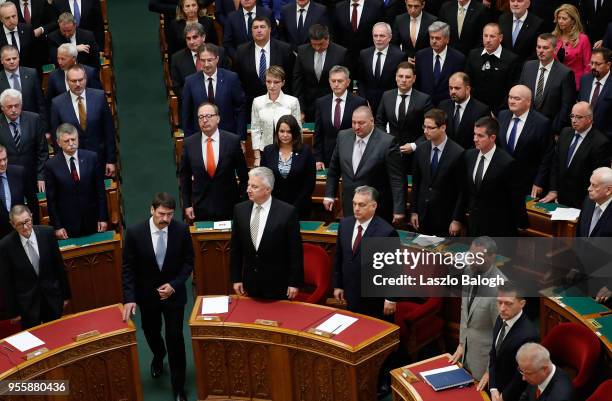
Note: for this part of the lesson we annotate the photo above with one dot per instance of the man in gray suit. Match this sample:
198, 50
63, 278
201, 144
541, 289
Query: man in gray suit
365, 155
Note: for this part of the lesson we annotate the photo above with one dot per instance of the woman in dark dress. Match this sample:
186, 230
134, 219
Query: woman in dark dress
189, 11
293, 165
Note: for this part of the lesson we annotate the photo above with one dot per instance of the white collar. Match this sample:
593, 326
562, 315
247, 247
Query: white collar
253, 10
7, 32
442, 54
542, 386
399, 93
266, 205
522, 117
279, 99
497, 53
602, 80
297, 8
75, 97
213, 76
383, 51
67, 156
214, 136
522, 19
364, 225
604, 205
343, 97
489, 154
510, 322
464, 103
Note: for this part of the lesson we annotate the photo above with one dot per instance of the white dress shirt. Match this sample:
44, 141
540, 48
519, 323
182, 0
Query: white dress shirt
214, 82
342, 105
462, 107
364, 227
383, 57
71, 3
398, 100
542, 386
34, 241
75, 103
266, 48
359, 10
602, 81
522, 19
582, 136
246, 17
519, 128
547, 67
304, 14
215, 144
440, 149
497, 52
263, 217
9, 77
155, 233
509, 324
488, 156
76, 161
442, 55
266, 112
9, 39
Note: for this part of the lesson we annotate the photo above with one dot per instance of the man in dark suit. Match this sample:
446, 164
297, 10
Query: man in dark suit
596, 89
222, 9
525, 135
157, 260
378, 64
209, 185
520, 29
580, 150
435, 64
511, 330
492, 68
546, 381
13, 188
19, 35
595, 19
266, 258
88, 15
466, 22
296, 20
238, 29
76, 198
402, 109
35, 283
366, 155
462, 110
67, 55
490, 186
410, 29
87, 110
311, 70
607, 38
333, 113
41, 14
552, 83
216, 85
435, 208
88, 48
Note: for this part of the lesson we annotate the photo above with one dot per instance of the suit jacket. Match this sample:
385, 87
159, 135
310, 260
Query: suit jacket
100, 134
558, 389
437, 199
306, 87
370, 87
82, 37
42, 14
223, 8
176, 33
464, 133
380, 167
325, 133
411, 129
471, 34
141, 274
182, 66
278, 262
498, 195
347, 265
229, 98
18, 187
607, 39
571, 182
56, 84
532, 151
401, 33
235, 33
492, 85
595, 21
603, 228
317, 14
296, 189
525, 44
438, 91
76, 207
213, 198
559, 92
603, 107
503, 369
25, 290
31, 93
91, 16
27, 54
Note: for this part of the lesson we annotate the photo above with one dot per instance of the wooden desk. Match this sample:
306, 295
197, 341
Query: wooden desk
404, 390
238, 359
104, 367
540, 224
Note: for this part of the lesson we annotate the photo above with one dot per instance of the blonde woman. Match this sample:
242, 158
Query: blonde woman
571, 38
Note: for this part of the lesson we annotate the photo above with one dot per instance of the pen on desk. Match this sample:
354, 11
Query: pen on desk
337, 327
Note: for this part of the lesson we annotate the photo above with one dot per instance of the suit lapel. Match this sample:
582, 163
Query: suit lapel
6, 137
372, 142
390, 105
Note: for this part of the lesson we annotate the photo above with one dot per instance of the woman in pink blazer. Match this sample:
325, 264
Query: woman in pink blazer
576, 53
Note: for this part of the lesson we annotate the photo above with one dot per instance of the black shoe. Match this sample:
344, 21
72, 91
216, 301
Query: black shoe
157, 366
180, 395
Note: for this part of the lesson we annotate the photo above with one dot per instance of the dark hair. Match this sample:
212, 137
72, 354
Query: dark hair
163, 199
549, 37
207, 103
408, 65
208, 47
605, 53
318, 32
296, 131
490, 125
511, 288
439, 116
263, 18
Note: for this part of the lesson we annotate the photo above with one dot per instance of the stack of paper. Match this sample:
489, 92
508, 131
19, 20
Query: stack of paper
24, 341
565, 214
336, 324
427, 240
215, 305
447, 377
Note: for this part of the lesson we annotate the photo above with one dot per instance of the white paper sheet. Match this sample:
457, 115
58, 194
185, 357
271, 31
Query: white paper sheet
222, 225
439, 370
427, 240
215, 305
565, 214
24, 341
337, 323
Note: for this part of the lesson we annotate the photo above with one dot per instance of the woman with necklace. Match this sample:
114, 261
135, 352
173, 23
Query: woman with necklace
573, 46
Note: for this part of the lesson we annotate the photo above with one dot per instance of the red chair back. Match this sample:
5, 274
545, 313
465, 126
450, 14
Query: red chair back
317, 274
603, 392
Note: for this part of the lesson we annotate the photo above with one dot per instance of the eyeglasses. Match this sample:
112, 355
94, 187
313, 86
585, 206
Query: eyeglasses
523, 373
577, 117
206, 116
24, 223
429, 128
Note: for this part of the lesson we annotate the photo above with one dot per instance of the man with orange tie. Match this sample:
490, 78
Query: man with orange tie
211, 161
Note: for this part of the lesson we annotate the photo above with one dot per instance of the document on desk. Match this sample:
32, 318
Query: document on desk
215, 305
427, 240
565, 214
337, 323
447, 377
24, 341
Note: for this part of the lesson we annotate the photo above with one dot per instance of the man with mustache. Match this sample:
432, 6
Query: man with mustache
596, 89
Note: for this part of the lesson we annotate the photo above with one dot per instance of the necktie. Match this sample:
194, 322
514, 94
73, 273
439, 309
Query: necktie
516, 30
595, 93
249, 23
540, 89
572, 148
77, 12
211, 91
210, 158
3, 195
538, 392
434, 161
596, 215
354, 17
473, 291
377, 67
82, 113
460, 19
16, 134
500, 338
479, 172
337, 111
457, 118
512, 136
357, 238
437, 69
262, 66
318, 66
413, 32
357, 153
73, 171
160, 252
198, 63
33, 256
26, 12
16, 83
401, 110
300, 26
255, 225
14, 40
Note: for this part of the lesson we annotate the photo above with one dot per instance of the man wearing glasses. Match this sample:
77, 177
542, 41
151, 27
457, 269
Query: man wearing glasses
36, 288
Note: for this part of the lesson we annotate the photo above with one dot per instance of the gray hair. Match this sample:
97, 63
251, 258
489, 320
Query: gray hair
604, 174
384, 25
17, 210
536, 353
439, 26
340, 68
367, 190
487, 243
7, 4
194, 27
12, 93
66, 18
65, 128
69, 49
265, 174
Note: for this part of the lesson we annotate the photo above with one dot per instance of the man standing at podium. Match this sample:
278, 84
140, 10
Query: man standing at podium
157, 260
